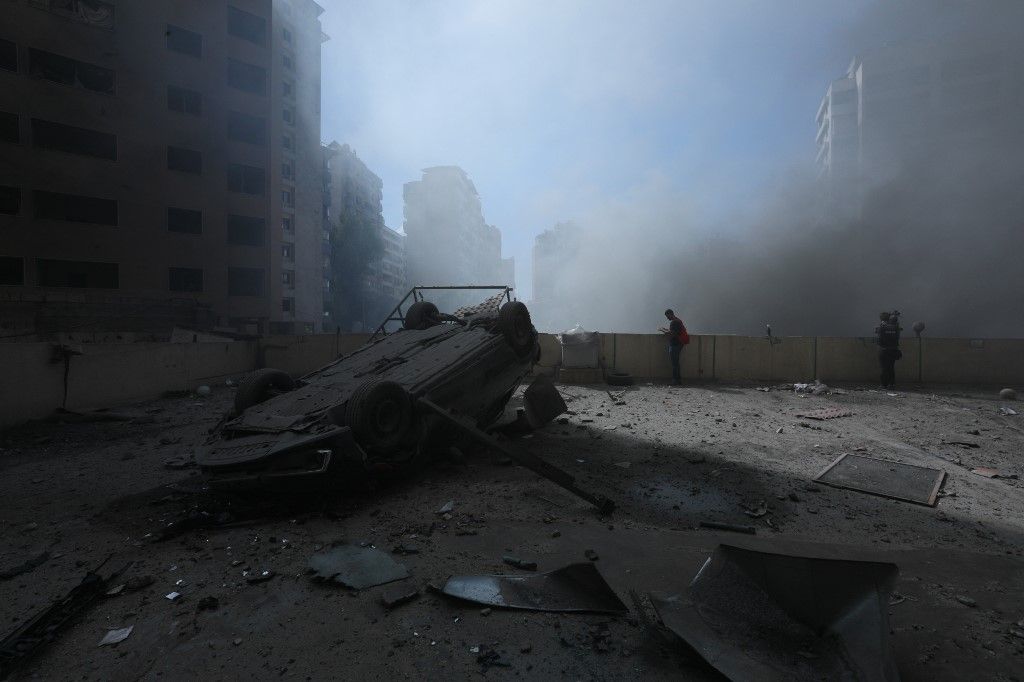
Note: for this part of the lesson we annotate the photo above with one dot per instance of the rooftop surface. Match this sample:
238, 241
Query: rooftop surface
669, 457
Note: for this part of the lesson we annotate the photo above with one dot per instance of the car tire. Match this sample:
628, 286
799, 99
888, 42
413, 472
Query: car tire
619, 379
381, 416
421, 315
517, 327
258, 386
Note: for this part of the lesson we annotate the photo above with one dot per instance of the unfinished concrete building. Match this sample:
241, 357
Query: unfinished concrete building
160, 166
447, 240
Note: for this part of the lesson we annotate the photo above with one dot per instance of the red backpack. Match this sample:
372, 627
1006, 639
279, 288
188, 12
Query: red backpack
684, 336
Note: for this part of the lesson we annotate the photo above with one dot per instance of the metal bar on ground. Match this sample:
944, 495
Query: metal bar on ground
528, 460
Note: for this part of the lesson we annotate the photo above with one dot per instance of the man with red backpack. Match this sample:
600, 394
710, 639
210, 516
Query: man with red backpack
677, 338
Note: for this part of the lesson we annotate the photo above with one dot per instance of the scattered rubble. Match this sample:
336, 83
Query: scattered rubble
574, 588
116, 636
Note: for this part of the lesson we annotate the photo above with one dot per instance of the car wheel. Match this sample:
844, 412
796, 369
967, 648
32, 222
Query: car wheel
421, 315
380, 415
514, 322
619, 379
259, 386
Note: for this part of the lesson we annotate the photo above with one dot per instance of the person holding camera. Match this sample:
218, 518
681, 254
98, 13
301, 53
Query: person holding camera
889, 346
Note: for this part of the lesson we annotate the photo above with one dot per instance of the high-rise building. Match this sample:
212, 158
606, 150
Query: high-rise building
160, 164
372, 278
447, 240
926, 102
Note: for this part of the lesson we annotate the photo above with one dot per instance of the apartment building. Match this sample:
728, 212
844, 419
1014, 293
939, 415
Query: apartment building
160, 164
447, 240
931, 101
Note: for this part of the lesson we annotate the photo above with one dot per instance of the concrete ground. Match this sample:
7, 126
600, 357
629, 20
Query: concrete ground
669, 457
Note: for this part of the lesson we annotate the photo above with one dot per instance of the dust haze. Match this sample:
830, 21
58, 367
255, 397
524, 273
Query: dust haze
939, 234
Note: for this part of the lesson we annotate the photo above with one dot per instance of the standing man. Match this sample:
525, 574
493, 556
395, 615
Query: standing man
677, 338
889, 347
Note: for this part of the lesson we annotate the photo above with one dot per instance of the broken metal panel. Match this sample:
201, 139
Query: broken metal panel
33, 635
356, 567
574, 588
764, 616
884, 478
542, 402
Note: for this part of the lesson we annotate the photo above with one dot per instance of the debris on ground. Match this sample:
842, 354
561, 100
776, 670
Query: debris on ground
815, 388
884, 478
254, 577
966, 601
826, 413
520, 563
987, 472
447, 508
591, 555
1008, 394
1007, 412
42, 629
396, 595
963, 444
765, 616
356, 567
574, 588
733, 527
116, 636
757, 511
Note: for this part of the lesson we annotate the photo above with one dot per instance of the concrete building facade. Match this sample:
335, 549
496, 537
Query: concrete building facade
161, 156
447, 240
354, 193
933, 100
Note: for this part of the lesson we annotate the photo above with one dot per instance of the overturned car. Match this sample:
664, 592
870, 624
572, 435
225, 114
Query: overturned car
392, 404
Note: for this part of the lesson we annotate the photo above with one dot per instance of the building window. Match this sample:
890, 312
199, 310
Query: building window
74, 208
246, 179
67, 71
286, 36
247, 26
245, 230
12, 271
288, 63
184, 41
288, 116
185, 279
288, 305
10, 200
288, 170
73, 140
287, 89
288, 251
184, 100
245, 282
9, 129
287, 225
288, 142
76, 274
8, 55
93, 12
288, 277
246, 128
184, 160
184, 220
247, 77
288, 198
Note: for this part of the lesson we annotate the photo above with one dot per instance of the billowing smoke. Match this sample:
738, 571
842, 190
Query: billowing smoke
938, 232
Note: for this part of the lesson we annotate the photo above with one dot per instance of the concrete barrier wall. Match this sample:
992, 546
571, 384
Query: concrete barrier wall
109, 374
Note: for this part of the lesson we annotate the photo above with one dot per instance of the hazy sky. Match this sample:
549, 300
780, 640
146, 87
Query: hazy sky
555, 107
